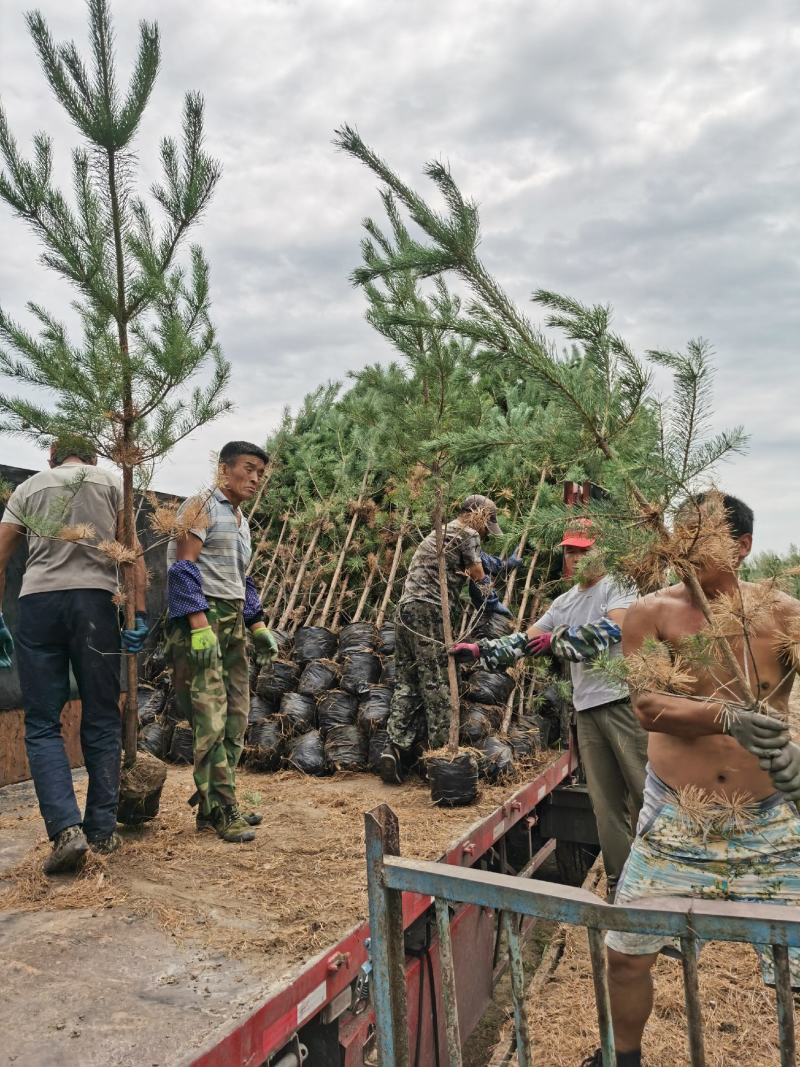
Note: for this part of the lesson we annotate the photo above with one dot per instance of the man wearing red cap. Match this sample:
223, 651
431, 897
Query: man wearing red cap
578, 626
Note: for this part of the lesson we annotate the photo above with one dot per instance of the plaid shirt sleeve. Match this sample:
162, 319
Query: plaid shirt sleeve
185, 589
253, 611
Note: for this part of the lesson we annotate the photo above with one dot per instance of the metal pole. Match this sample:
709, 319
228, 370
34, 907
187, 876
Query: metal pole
691, 989
600, 978
524, 1051
783, 995
448, 983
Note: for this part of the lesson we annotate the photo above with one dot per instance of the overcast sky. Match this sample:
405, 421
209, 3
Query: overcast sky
642, 154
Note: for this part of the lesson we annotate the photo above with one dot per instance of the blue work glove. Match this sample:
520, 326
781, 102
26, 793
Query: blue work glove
493, 606
513, 562
133, 640
6, 645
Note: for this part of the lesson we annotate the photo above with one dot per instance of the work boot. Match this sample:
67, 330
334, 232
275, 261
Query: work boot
252, 818
69, 848
391, 765
106, 845
204, 822
230, 826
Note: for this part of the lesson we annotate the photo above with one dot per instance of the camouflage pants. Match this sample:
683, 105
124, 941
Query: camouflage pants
215, 700
421, 701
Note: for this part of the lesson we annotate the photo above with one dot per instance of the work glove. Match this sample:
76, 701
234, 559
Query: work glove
539, 645
133, 640
465, 652
204, 650
784, 770
762, 735
513, 562
494, 606
266, 647
6, 645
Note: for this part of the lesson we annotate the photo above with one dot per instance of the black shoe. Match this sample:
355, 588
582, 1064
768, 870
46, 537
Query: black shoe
203, 822
106, 845
390, 765
69, 848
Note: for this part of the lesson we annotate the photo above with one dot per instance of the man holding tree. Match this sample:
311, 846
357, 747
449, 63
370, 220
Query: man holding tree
212, 603
421, 701
69, 618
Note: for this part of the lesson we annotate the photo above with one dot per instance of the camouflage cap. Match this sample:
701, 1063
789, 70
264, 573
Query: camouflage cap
476, 502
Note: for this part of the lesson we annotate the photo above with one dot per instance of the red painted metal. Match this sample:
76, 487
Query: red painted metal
267, 1029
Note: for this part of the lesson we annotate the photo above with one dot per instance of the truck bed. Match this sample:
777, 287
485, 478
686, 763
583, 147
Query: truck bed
151, 952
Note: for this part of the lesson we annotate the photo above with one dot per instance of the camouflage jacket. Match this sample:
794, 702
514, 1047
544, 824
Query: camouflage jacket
574, 643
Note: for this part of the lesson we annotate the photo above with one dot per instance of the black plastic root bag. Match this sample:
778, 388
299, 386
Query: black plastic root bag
489, 687
336, 708
377, 743
360, 671
389, 672
317, 677
265, 746
307, 754
346, 748
491, 625
260, 709
454, 782
276, 679
156, 737
386, 639
496, 760
181, 750
314, 642
475, 724
357, 637
374, 708
297, 713
151, 704
525, 741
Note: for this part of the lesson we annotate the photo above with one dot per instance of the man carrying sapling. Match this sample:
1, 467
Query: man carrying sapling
212, 603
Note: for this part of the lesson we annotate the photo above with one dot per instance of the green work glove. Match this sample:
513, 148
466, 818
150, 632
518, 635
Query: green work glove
6, 645
266, 647
784, 770
204, 651
762, 735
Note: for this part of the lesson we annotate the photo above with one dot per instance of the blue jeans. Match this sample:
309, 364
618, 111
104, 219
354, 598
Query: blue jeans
77, 627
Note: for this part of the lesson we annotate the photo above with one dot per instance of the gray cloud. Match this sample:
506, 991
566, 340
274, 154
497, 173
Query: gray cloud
639, 154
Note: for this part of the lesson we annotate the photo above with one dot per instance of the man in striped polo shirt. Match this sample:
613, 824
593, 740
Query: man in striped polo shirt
212, 602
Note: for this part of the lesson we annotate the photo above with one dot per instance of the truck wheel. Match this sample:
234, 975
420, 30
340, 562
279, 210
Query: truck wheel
574, 860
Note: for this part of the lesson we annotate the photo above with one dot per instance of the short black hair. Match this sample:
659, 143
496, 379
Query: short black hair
233, 449
738, 515
72, 444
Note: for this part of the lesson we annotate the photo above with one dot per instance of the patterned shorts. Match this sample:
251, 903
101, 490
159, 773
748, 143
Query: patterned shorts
674, 856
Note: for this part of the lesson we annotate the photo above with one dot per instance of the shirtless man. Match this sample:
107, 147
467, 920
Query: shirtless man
693, 743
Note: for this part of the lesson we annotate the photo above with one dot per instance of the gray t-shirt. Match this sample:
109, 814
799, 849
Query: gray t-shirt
226, 550
576, 607
73, 494
462, 548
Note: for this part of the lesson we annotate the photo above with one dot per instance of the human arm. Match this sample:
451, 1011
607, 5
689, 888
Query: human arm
10, 536
186, 584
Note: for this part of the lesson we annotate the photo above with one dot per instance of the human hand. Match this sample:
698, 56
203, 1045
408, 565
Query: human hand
266, 647
6, 646
513, 562
133, 640
494, 606
465, 652
784, 770
204, 649
539, 645
762, 735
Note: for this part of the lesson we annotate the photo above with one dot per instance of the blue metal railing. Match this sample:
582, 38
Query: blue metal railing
690, 920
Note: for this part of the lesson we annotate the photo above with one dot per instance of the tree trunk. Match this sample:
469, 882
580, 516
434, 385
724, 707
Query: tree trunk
365, 592
301, 572
526, 592
315, 605
251, 511
512, 578
272, 562
447, 628
285, 579
351, 529
387, 595
340, 604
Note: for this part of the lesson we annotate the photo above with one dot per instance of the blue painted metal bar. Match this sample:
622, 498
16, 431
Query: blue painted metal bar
448, 981
691, 990
524, 1051
785, 1002
669, 916
386, 940
603, 1001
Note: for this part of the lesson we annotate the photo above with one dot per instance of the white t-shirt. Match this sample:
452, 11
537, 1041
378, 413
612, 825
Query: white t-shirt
576, 607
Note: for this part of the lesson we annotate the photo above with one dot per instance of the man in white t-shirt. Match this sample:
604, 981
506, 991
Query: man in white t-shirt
577, 627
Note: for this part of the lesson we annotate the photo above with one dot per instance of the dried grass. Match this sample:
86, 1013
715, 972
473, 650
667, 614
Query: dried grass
81, 531
656, 670
705, 813
117, 553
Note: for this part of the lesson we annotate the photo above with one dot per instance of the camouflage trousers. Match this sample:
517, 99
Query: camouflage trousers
421, 701
216, 700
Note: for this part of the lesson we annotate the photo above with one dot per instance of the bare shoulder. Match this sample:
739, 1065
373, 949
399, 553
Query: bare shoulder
661, 602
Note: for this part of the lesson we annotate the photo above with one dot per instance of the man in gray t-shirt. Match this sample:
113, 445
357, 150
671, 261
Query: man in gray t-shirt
577, 627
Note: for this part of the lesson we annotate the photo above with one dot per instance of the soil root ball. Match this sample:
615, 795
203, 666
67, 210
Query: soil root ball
140, 790
314, 642
377, 743
374, 708
346, 748
336, 708
181, 750
260, 709
317, 677
386, 639
489, 687
265, 746
493, 625
361, 670
357, 637
156, 737
389, 672
151, 704
453, 780
297, 713
276, 679
307, 754
496, 759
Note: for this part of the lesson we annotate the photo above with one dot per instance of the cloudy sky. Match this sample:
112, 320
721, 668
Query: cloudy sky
642, 154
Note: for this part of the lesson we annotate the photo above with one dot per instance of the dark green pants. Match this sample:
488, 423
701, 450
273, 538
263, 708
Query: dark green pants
421, 701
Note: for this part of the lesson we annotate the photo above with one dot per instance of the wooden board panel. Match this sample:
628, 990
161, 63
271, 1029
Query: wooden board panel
13, 760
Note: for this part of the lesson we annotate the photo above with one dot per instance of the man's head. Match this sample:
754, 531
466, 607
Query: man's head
242, 465
578, 542
737, 519
69, 446
480, 513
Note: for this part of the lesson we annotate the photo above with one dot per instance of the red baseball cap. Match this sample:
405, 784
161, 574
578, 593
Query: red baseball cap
578, 536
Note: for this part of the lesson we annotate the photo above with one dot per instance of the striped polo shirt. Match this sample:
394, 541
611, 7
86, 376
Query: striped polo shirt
226, 548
